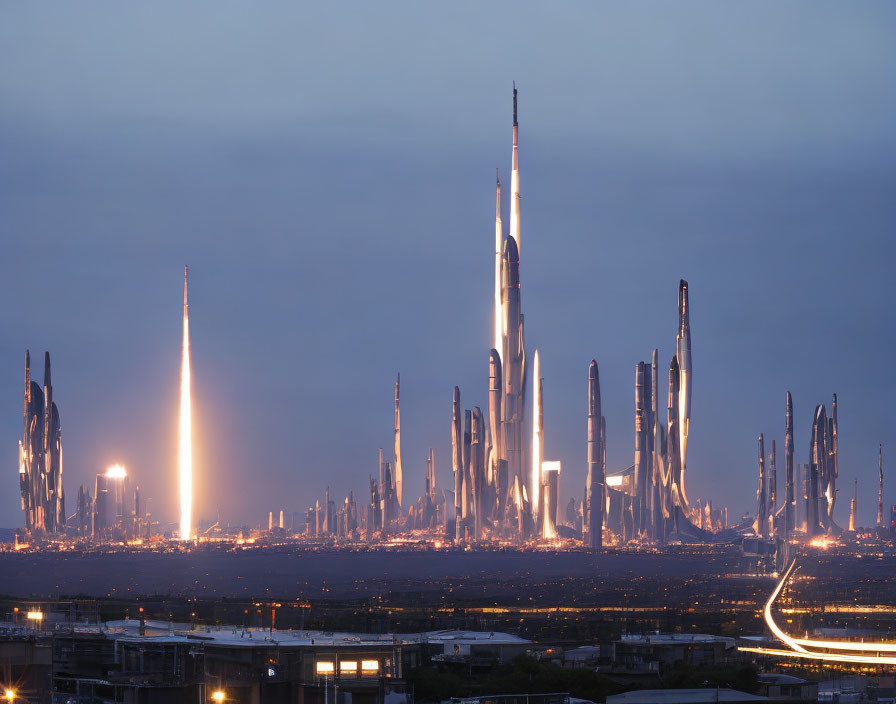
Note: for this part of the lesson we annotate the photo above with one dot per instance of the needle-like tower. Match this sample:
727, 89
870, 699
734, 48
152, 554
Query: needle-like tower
186, 429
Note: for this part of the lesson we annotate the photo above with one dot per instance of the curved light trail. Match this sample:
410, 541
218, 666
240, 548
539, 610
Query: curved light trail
828, 657
185, 453
862, 652
768, 612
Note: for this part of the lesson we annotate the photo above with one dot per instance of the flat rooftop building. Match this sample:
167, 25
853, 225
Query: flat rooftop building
154, 662
684, 696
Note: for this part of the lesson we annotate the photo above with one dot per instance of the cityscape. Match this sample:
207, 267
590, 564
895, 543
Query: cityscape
495, 568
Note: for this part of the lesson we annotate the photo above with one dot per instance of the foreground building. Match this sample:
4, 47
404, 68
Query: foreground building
154, 662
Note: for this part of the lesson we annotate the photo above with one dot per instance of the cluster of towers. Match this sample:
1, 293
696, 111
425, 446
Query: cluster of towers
648, 500
384, 514
778, 524
114, 512
504, 489
326, 520
499, 480
40, 457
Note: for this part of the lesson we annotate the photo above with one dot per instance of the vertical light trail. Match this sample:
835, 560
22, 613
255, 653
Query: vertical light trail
185, 454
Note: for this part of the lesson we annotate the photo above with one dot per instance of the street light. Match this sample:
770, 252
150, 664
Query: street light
218, 695
9, 695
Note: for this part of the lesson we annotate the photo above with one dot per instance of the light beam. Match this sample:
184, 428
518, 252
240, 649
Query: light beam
185, 454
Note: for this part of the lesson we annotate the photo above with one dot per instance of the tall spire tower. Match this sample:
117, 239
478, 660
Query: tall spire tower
537, 438
186, 429
499, 254
880, 486
515, 178
397, 471
789, 490
683, 353
594, 482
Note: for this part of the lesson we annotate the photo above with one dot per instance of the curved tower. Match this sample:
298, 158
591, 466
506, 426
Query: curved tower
397, 469
457, 463
683, 346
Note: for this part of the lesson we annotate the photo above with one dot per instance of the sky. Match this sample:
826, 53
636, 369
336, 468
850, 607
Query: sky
327, 171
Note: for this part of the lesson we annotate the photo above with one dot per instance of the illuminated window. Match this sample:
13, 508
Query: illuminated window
325, 667
348, 667
370, 667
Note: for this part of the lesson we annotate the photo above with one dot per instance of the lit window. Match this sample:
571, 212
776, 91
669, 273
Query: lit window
370, 666
348, 667
325, 667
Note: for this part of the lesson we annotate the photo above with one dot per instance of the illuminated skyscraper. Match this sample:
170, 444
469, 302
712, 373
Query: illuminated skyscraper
594, 482
396, 469
880, 486
113, 507
760, 525
40, 457
683, 343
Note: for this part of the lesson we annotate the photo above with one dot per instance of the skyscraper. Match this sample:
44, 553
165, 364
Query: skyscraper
40, 457
396, 470
594, 483
683, 344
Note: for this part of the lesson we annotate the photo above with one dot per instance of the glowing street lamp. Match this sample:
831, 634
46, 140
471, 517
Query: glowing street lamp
9, 695
218, 695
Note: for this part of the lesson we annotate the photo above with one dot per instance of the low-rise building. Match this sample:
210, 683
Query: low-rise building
658, 651
155, 662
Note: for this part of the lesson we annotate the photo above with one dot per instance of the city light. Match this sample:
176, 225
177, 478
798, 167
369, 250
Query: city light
116, 471
9, 695
863, 655
35, 616
218, 695
186, 430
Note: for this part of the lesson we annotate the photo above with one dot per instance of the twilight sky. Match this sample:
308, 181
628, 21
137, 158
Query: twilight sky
328, 175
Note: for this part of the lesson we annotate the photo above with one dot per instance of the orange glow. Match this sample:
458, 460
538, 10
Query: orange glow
186, 431
116, 471
799, 651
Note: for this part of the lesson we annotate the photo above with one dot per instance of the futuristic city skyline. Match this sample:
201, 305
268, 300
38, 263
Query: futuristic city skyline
725, 191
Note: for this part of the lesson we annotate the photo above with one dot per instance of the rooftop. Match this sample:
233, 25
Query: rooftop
683, 696
677, 639
236, 636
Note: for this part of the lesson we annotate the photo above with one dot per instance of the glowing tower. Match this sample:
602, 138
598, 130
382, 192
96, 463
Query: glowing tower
185, 454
